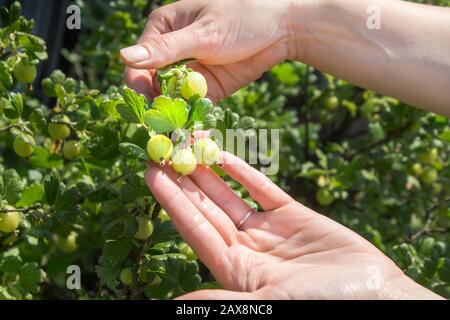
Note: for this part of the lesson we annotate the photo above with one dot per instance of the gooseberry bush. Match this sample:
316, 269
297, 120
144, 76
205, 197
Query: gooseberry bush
71, 180
71, 163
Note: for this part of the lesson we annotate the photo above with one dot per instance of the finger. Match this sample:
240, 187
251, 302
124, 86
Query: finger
160, 50
218, 295
142, 81
189, 221
260, 187
220, 193
210, 210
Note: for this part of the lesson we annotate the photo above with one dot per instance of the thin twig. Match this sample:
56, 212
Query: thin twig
100, 188
429, 219
389, 137
136, 269
8, 127
23, 210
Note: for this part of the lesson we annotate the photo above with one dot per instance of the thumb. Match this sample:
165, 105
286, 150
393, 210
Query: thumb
161, 50
218, 295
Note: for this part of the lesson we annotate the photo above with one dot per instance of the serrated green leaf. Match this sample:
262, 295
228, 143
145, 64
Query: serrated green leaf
51, 187
42, 158
31, 194
49, 87
107, 273
166, 114
38, 120
15, 108
117, 250
131, 150
134, 108
5, 75
201, 112
13, 185
31, 276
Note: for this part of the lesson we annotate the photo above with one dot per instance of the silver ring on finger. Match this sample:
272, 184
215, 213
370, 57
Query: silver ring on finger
245, 218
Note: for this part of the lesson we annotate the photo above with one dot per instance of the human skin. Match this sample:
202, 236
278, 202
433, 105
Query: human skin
288, 251
235, 41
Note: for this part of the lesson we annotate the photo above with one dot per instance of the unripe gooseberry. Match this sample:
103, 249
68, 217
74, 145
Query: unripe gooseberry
429, 176
416, 169
59, 131
194, 83
71, 149
156, 280
163, 216
206, 151
324, 197
24, 71
332, 103
126, 276
437, 188
184, 162
187, 251
159, 148
9, 221
429, 156
23, 145
68, 244
145, 228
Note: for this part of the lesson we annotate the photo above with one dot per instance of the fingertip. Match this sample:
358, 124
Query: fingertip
134, 55
140, 81
151, 174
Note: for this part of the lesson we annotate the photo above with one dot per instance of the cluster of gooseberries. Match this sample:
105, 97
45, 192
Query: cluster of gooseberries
425, 169
58, 129
184, 160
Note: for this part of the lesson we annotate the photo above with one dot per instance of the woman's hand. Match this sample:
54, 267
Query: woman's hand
233, 42
286, 252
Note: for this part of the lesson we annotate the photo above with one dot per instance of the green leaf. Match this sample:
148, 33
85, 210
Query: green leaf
49, 87
38, 120
131, 150
444, 271
13, 185
117, 251
285, 73
15, 109
231, 119
200, 111
246, 123
107, 273
104, 144
42, 158
31, 276
176, 267
5, 75
10, 263
134, 108
133, 188
52, 186
31, 194
166, 114
445, 136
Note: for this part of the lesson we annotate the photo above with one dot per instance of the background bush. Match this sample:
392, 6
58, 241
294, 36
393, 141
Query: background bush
366, 152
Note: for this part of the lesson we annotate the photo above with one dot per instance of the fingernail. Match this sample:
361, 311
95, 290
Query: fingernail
135, 54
